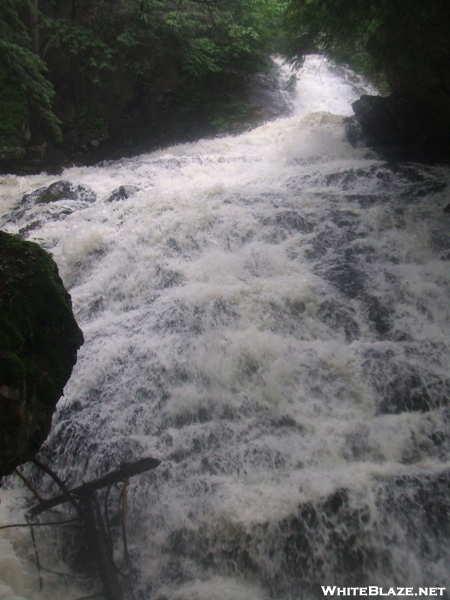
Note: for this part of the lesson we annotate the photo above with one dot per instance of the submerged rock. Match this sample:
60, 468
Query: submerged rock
39, 339
122, 193
54, 202
60, 190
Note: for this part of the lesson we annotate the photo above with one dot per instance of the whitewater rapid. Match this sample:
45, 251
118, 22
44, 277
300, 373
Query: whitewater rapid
268, 315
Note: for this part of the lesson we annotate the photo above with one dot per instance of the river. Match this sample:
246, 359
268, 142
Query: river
268, 314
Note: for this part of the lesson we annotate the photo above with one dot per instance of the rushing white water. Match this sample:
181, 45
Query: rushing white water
269, 316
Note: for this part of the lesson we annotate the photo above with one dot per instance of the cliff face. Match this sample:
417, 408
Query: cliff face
400, 127
39, 339
411, 44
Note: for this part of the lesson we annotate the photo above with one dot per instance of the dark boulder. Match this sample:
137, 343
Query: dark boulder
122, 193
399, 128
39, 339
60, 190
54, 202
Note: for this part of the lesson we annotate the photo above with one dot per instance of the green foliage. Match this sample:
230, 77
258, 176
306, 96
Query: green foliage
231, 115
203, 56
23, 64
129, 51
13, 106
110, 61
79, 42
269, 20
407, 40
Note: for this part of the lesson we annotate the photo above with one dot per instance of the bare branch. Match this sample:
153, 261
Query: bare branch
48, 523
29, 485
85, 490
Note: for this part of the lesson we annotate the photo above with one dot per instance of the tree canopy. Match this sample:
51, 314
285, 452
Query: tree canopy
86, 67
97, 69
22, 68
407, 40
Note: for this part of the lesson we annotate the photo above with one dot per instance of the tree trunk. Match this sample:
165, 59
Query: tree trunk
34, 27
101, 549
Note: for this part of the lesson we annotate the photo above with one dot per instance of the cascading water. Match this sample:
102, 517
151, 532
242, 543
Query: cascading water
268, 315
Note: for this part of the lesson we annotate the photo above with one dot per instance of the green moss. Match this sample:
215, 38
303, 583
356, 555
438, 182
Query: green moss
39, 339
39, 336
10, 337
12, 369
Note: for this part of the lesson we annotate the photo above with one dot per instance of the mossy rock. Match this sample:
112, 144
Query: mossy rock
39, 339
60, 190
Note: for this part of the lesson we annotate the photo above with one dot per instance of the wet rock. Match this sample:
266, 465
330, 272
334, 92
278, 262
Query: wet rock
366, 200
283, 223
266, 96
317, 540
335, 235
378, 314
167, 278
341, 538
403, 385
339, 317
122, 193
398, 127
54, 202
60, 190
345, 275
11, 153
413, 392
293, 221
417, 182
420, 504
347, 279
39, 339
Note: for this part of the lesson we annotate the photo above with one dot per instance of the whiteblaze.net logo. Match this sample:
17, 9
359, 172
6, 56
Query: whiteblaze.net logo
374, 590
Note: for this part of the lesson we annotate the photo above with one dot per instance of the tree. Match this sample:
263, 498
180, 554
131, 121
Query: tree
22, 64
127, 69
133, 56
407, 40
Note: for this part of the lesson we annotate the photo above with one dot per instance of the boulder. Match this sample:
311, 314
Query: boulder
399, 128
122, 193
39, 339
60, 190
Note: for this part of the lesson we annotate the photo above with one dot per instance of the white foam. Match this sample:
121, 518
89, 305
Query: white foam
223, 336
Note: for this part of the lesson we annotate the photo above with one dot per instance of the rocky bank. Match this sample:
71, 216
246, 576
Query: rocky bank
400, 127
39, 339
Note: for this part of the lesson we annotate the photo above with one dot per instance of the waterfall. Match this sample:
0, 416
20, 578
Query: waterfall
268, 315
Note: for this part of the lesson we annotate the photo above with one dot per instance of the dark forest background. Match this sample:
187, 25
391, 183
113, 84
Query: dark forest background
82, 80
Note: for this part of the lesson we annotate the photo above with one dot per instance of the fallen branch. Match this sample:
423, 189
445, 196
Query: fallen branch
29, 485
82, 491
124, 520
65, 574
38, 560
84, 499
61, 485
38, 524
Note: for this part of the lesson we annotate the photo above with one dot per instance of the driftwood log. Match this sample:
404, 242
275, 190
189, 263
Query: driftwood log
84, 499
86, 489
